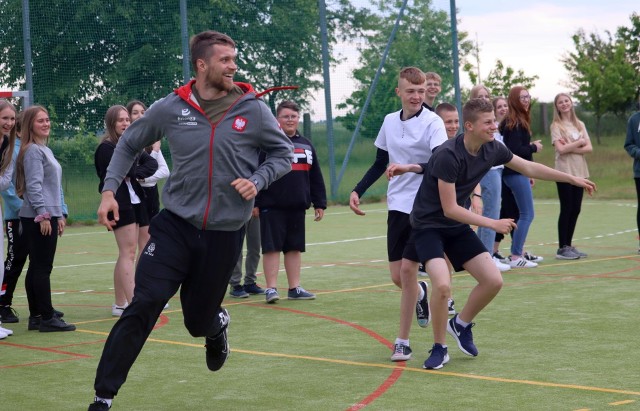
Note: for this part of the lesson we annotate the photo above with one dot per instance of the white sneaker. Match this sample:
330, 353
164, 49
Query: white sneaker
116, 311
501, 266
3, 335
166, 306
5, 330
521, 262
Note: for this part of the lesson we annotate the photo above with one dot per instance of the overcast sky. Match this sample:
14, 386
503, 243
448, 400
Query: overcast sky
531, 36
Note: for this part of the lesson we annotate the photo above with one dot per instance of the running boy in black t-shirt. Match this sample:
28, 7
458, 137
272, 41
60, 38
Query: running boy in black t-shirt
441, 222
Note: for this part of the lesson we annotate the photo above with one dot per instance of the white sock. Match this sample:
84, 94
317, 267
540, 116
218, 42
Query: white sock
107, 400
403, 342
460, 322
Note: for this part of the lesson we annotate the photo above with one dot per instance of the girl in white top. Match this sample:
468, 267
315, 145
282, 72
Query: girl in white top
571, 142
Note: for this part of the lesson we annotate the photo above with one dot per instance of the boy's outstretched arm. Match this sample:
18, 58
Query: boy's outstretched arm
542, 172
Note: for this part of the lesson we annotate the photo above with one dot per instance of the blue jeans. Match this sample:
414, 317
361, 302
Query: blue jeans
521, 189
491, 185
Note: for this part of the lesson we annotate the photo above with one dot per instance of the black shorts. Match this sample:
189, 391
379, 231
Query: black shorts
152, 201
137, 214
398, 237
282, 230
460, 244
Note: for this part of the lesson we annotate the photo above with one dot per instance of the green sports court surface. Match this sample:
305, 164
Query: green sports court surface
562, 336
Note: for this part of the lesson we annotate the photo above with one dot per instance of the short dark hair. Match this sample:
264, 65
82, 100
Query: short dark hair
442, 107
201, 44
291, 105
474, 107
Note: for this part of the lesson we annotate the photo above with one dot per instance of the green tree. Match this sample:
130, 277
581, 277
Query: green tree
630, 37
92, 54
279, 42
501, 79
601, 75
423, 40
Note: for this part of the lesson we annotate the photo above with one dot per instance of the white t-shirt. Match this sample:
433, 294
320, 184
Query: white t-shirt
409, 142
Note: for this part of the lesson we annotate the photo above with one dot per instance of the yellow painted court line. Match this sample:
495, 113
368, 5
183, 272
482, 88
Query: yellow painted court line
392, 367
625, 402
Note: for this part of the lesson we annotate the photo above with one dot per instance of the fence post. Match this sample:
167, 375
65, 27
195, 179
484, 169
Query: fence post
26, 36
306, 125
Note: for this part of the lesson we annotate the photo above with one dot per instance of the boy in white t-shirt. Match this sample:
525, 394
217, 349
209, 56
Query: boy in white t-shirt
407, 136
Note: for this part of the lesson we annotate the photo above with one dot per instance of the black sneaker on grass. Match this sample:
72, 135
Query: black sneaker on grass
422, 271
438, 358
463, 336
34, 323
55, 324
422, 306
218, 346
401, 352
98, 405
8, 315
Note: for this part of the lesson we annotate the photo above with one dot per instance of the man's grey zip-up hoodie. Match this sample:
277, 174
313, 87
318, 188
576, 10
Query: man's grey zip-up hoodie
207, 157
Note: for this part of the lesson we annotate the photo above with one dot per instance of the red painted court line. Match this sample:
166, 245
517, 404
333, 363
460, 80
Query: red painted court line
387, 383
31, 364
45, 349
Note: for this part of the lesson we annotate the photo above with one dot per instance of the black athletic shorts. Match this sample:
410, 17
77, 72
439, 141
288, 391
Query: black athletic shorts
282, 230
137, 214
460, 244
398, 236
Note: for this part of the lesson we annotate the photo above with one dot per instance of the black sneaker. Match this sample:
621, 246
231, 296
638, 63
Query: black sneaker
422, 271
422, 306
34, 323
463, 336
99, 406
438, 358
8, 315
218, 346
499, 256
401, 352
57, 313
55, 324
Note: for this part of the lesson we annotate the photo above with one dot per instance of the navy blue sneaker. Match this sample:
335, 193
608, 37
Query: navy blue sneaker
271, 295
438, 358
463, 336
253, 289
422, 306
300, 293
237, 291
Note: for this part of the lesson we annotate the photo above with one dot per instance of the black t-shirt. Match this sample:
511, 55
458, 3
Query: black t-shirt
452, 163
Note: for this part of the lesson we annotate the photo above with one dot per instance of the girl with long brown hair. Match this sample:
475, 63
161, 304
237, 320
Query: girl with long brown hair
42, 216
516, 132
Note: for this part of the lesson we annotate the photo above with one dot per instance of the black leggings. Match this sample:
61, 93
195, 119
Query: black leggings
570, 203
17, 253
42, 250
